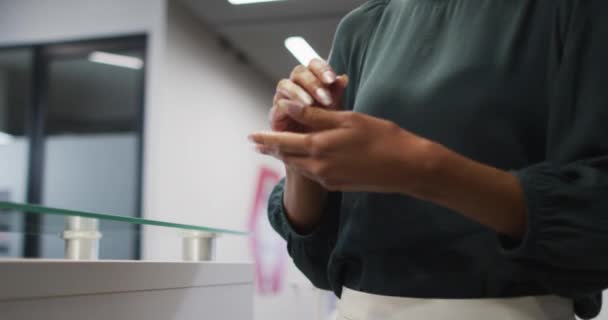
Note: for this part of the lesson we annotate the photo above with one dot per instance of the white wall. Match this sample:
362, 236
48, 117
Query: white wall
35, 21
201, 169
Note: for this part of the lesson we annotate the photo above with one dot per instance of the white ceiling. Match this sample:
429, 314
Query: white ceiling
259, 30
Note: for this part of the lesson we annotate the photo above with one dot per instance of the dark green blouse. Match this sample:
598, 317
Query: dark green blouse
521, 85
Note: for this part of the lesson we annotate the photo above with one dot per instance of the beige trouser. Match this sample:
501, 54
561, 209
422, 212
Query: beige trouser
356, 305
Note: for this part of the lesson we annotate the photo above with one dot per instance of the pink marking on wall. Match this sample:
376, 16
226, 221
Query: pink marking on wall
267, 247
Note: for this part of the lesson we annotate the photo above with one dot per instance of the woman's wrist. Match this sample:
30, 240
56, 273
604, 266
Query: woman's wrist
304, 200
421, 162
490, 196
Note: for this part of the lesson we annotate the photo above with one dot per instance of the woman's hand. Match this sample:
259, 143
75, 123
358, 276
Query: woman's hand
304, 199
316, 84
349, 151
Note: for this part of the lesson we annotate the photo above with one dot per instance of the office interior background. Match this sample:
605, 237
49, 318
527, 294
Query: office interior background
142, 108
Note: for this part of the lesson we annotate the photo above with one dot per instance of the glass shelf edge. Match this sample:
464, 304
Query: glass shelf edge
109, 217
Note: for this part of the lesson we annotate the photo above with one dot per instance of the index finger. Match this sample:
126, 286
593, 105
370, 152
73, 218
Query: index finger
323, 71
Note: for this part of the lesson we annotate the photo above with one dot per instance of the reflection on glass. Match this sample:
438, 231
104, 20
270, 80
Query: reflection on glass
15, 79
91, 146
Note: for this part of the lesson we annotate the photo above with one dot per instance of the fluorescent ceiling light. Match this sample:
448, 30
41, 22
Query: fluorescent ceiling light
237, 2
5, 139
116, 60
301, 50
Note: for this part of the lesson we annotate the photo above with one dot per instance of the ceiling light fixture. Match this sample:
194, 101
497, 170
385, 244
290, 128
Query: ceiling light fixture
6, 139
300, 49
237, 2
117, 60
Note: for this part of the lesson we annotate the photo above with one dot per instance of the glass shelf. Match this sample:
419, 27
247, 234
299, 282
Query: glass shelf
30, 208
82, 235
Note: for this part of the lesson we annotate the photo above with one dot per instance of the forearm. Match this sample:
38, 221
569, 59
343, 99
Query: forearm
304, 200
483, 193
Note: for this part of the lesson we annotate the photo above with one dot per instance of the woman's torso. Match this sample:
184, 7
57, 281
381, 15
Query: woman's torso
471, 75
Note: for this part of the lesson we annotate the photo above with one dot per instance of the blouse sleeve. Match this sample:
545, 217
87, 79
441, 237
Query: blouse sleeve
566, 239
310, 252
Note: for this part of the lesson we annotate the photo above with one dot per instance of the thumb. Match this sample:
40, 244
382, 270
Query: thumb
338, 89
316, 118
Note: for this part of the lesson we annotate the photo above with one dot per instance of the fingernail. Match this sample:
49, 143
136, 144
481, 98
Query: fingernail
346, 80
282, 103
250, 138
287, 103
329, 77
306, 99
294, 109
324, 97
285, 93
